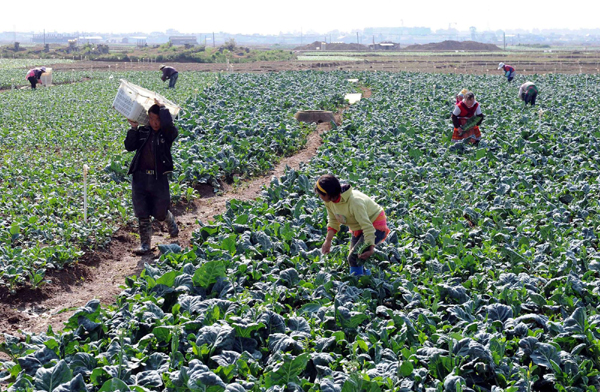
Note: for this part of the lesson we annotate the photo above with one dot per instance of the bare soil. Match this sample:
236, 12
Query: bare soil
101, 274
526, 63
454, 45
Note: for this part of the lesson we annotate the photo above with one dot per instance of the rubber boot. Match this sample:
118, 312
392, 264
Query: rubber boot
172, 225
145, 236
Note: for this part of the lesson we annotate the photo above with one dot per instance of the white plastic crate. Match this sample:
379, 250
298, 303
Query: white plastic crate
353, 98
46, 77
133, 102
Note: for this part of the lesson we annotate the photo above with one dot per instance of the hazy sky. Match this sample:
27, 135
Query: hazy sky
273, 17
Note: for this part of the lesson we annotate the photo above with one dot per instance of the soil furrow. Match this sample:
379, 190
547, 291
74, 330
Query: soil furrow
101, 274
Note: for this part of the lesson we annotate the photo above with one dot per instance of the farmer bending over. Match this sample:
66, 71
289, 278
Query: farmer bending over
169, 73
528, 93
365, 218
509, 71
466, 118
149, 167
34, 75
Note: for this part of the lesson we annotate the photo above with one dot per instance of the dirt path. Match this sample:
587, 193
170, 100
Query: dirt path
101, 274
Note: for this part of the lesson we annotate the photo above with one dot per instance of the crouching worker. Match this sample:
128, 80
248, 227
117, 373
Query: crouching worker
149, 167
528, 93
466, 118
34, 76
460, 96
169, 73
365, 218
509, 71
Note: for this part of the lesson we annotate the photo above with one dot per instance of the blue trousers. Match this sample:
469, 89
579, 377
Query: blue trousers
173, 80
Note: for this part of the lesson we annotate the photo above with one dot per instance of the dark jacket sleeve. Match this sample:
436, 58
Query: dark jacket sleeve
132, 140
455, 121
480, 118
166, 124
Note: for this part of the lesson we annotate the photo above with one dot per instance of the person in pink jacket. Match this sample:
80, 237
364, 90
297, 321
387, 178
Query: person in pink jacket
34, 75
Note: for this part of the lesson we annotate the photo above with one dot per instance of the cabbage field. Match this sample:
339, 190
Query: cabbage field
57, 130
489, 280
12, 71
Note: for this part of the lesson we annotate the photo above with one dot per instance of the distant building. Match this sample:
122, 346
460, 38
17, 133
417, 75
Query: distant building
52, 38
183, 40
384, 46
92, 39
139, 41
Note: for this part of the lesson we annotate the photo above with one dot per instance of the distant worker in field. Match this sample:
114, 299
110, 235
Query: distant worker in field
365, 218
149, 167
461, 95
466, 118
169, 73
509, 71
528, 93
34, 75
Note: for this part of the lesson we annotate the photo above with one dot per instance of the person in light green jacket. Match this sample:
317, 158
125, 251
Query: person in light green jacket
365, 219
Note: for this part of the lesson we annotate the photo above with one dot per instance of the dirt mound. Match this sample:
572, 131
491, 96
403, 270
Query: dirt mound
319, 45
454, 45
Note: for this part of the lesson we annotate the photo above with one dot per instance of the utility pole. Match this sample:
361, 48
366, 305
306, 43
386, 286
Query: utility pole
44, 37
504, 37
214, 39
357, 41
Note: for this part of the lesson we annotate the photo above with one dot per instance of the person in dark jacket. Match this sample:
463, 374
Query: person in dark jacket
149, 168
34, 75
169, 73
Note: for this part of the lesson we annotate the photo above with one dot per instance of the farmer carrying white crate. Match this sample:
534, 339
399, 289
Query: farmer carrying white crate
149, 167
169, 73
466, 118
365, 219
528, 92
34, 75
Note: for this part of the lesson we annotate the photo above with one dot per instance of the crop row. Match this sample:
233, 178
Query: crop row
489, 280
6, 63
49, 134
